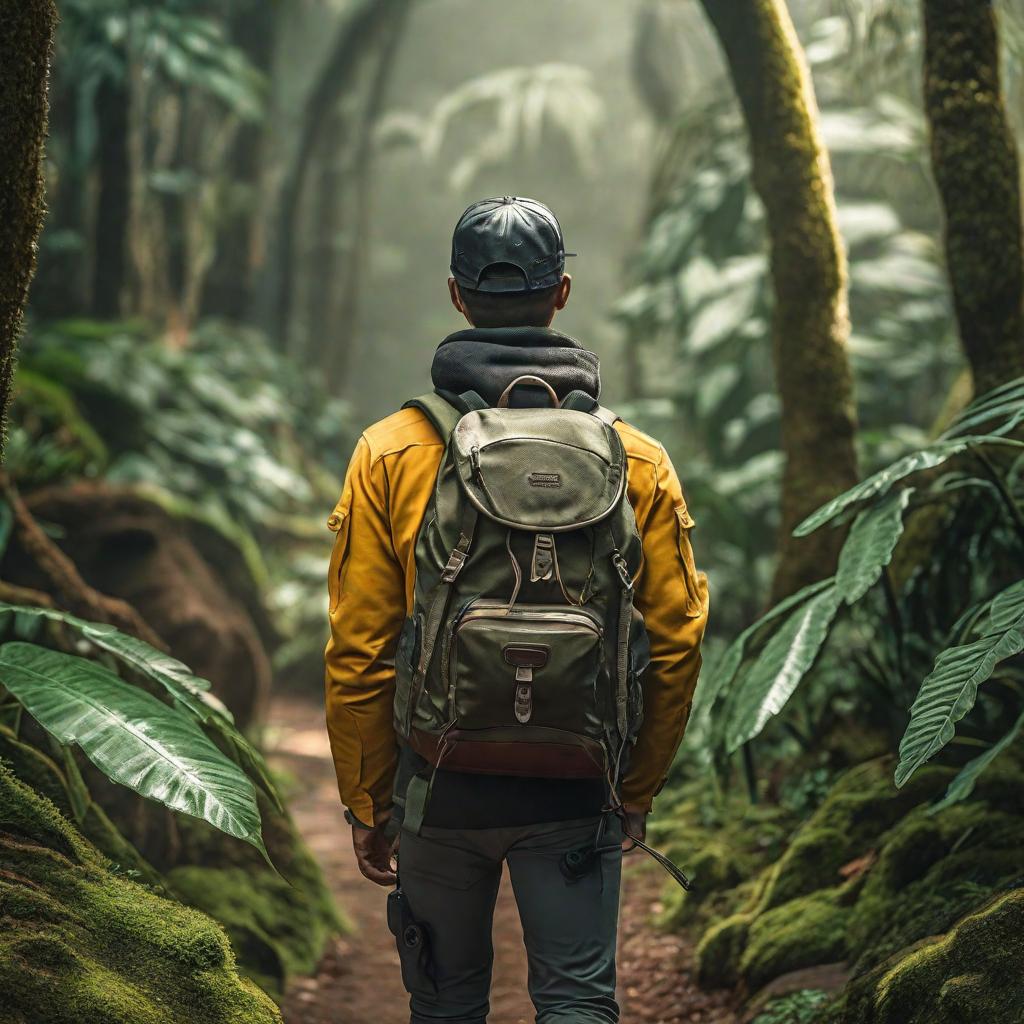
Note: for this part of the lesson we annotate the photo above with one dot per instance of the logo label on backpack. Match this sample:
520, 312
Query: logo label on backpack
544, 480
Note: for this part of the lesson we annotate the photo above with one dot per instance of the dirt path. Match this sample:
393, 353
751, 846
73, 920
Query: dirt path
358, 979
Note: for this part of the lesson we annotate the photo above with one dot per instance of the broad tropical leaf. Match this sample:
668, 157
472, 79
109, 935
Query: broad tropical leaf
132, 737
963, 785
880, 484
732, 659
1007, 608
951, 688
869, 547
188, 690
772, 679
1007, 400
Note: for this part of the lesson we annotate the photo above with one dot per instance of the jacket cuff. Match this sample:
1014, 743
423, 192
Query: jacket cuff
355, 822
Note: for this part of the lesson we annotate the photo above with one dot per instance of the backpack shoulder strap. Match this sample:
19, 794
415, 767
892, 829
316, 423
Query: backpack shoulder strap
606, 415
441, 413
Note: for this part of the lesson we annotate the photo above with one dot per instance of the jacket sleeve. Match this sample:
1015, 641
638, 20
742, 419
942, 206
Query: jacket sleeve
366, 584
673, 598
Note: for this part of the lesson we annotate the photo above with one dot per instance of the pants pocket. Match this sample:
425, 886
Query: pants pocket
414, 948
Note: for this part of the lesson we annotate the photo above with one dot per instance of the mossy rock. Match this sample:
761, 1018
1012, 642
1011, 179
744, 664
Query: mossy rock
861, 806
281, 926
973, 974
80, 943
720, 949
932, 870
42, 773
278, 923
805, 932
273, 927
713, 869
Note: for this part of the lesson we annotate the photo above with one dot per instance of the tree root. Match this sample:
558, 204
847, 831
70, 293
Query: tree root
11, 593
70, 590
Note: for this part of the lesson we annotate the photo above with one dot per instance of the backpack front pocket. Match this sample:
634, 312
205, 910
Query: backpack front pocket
527, 666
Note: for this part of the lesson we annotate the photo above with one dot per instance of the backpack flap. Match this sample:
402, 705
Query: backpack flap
540, 469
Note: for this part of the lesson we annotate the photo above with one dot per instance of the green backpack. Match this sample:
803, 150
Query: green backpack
524, 653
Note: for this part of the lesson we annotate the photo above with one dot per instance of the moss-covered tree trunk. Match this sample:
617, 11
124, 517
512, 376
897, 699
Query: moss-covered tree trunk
26, 40
974, 159
810, 327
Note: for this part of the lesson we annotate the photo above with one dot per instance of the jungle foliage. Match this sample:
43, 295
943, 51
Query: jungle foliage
849, 796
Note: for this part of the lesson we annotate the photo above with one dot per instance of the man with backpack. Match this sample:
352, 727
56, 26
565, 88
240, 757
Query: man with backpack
516, 623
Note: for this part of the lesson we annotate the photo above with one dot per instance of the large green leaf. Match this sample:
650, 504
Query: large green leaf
188, 690
729, 665
1007, 400
963, 785
1007, 608
951, 688
869, 547
132, 737
880, 484
772, 679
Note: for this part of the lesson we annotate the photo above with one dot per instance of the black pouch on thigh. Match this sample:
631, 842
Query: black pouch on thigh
582, 861
413, 941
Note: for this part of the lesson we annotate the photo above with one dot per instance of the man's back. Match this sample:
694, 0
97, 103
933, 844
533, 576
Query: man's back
394, 468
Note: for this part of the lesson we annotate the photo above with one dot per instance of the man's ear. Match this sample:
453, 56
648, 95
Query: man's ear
562, 295
456, 297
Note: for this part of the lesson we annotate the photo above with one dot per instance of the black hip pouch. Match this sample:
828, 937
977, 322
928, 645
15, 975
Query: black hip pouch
413, 941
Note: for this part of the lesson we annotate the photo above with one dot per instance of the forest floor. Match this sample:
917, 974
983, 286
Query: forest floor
358, 979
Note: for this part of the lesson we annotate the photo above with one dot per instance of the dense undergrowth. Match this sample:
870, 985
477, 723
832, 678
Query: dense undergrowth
205, 471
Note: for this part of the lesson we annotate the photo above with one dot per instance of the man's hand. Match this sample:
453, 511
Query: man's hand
634, 823
375, 854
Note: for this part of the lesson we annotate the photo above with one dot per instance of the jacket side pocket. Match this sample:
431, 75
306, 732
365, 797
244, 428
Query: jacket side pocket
338, 523
685, 523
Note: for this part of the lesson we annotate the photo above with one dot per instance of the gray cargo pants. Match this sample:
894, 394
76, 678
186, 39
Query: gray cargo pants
450, 878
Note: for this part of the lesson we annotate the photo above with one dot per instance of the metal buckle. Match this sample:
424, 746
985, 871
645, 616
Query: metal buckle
623, 570
456, 560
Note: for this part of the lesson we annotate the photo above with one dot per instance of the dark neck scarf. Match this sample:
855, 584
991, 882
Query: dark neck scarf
487, 359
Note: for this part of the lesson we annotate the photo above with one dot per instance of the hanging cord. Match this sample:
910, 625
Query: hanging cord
675, 873
569, 599
515, 568
616, 806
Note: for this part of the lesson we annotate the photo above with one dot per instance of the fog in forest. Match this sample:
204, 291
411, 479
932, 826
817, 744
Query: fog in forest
225, 231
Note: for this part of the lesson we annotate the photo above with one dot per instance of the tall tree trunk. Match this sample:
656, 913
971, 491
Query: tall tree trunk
810, 326
26, 42
360, 34
974, 159
228, 288
108, 278
344, 310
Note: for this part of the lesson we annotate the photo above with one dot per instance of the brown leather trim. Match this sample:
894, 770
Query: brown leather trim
462, 752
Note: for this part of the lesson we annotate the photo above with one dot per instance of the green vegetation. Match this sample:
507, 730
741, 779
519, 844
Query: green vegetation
82, 942
827, 276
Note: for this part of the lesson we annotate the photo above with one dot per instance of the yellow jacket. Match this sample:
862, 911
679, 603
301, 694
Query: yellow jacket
371, 576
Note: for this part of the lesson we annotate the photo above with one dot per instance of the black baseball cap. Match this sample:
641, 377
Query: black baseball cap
521, 232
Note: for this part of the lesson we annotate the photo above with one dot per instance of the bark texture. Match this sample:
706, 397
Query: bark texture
974, 159
26, 40
810, 327
361, 34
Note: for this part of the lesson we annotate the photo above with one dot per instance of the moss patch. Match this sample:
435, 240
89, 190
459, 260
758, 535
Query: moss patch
805, 932
931, 870
43, 774
278, 923
862, 805
971, 974
80, 943
720, 949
